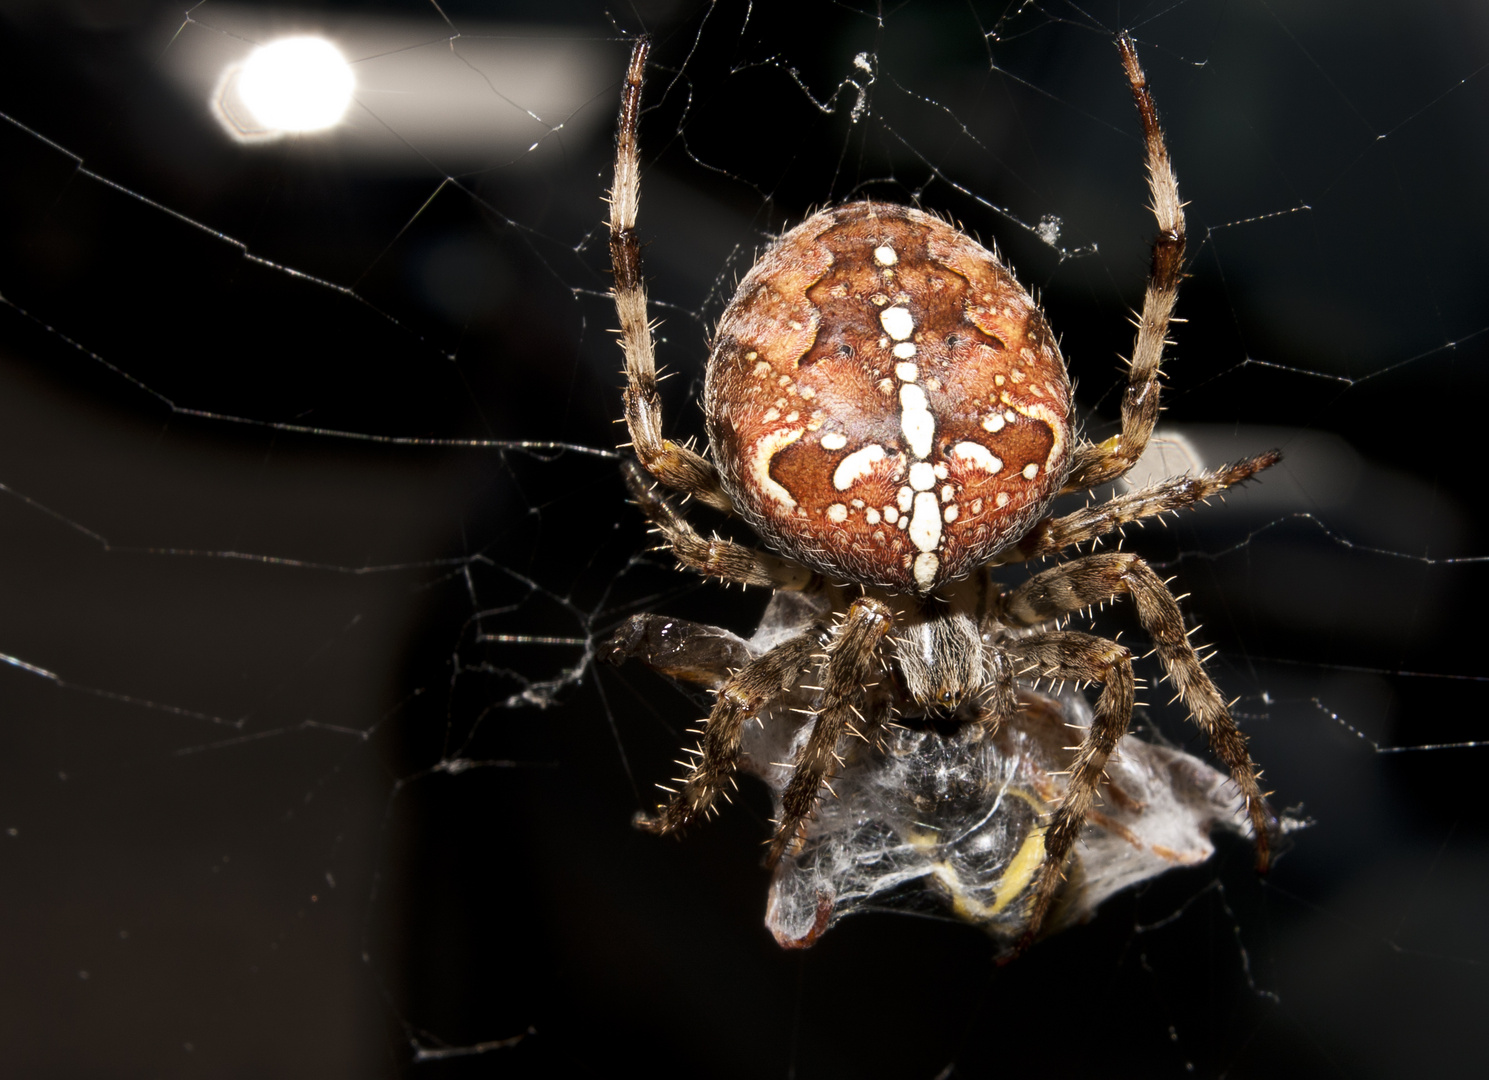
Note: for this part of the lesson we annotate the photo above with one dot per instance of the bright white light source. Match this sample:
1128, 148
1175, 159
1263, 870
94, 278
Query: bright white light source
296, 84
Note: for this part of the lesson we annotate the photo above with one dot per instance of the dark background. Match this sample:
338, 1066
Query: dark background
281, 794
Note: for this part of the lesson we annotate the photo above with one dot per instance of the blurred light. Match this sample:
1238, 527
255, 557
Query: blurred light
496, 94
295, 84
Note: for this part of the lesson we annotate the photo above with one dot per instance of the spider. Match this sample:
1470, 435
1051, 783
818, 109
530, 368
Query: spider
888, 410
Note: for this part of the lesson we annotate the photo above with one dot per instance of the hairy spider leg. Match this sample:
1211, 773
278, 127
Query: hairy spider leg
851, 659
1098, 463
676, 466
1054, 534
751, 689
714, 557
1064, 654
1095, 579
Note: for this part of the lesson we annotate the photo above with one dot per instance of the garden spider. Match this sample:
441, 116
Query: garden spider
888, 409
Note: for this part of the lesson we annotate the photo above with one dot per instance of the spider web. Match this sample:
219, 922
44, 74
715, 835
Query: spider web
313, 525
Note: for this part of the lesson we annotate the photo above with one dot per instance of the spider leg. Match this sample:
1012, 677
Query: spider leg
1061, 654
1095, 579
852, 656
676, 466
1054, 534
713, 557
751, 689
1097, 463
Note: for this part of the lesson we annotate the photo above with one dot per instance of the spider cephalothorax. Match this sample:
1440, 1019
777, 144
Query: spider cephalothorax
887, 408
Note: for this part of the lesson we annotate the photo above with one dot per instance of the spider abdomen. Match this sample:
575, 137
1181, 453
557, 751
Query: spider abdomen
885, 403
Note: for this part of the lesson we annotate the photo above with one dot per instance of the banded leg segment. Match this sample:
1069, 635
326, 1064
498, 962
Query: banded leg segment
753, 688
852, 658
1054, 534
1095, 579
674, 465
713, 557
1098, 463
1066, 655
